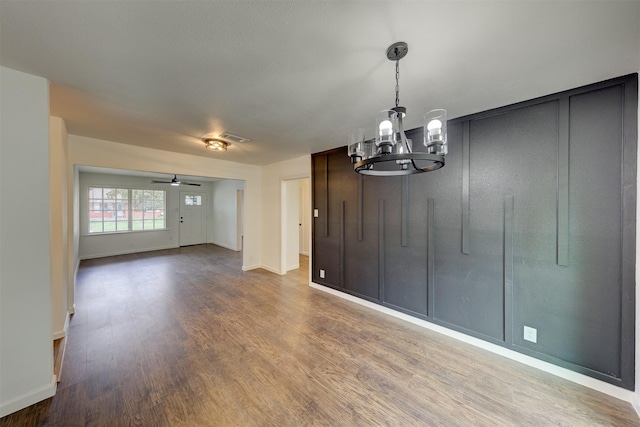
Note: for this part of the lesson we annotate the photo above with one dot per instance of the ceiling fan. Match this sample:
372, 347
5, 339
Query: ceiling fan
175, 182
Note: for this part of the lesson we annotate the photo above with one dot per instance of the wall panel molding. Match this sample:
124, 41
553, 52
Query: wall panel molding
562, 237
629, 215
381, 246
507, 263
431, 269
342, 242
360, 207
466, 159
325, 214
404, 211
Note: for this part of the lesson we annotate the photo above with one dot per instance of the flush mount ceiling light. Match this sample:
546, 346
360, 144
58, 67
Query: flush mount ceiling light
391, 153
215, 144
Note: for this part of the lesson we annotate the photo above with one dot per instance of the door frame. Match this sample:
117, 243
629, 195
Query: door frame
205, 205
283, 216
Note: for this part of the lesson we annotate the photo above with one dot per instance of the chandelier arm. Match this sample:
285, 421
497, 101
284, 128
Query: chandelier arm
365, 166
403, 137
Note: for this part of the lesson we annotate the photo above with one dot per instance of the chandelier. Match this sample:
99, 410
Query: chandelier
391, 153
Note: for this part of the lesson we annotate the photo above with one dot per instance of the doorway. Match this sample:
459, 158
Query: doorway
296, 223
193, 218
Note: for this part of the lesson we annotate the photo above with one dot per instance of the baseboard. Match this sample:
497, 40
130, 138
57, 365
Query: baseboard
264, 267
635, 402
65, 327
567, 374
233, 248
304, 253
29, 398
127, 252
271, 269
251, 267
293, 267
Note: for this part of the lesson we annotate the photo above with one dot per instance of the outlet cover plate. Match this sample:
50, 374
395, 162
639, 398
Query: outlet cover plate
530, 334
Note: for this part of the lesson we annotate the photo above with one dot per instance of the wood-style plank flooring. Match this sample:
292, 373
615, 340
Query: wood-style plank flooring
183, 337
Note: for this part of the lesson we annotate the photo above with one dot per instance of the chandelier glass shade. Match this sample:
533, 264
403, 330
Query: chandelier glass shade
390, 152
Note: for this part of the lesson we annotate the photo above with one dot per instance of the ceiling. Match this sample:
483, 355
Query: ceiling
295, 77
143, 174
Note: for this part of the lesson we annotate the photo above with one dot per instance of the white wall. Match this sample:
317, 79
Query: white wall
224, 221
100, 153
26, 348
59, 226
272, 177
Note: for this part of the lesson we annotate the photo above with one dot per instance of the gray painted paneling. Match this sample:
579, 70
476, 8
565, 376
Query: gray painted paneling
531, 222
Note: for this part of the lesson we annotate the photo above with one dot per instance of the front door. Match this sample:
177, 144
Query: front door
193, 218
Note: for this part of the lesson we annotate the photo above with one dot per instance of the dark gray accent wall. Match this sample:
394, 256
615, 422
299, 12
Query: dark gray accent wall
531, 222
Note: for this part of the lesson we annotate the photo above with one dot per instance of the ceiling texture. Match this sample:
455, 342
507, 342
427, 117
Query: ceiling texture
295, 77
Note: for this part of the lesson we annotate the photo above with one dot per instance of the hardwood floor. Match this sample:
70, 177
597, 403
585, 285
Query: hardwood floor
184, 337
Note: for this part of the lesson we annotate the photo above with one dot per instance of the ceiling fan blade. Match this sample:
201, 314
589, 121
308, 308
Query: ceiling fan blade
160, 182
189, 183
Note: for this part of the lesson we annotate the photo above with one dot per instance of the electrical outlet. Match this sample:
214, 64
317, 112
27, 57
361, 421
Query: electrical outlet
322, 274
315, 213
531, 334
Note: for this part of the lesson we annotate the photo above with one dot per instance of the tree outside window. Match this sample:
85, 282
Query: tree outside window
122, 209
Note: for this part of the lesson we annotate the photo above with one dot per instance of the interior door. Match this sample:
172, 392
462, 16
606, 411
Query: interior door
193, 218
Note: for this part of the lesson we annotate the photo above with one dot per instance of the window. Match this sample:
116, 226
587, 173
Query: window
192, 200
123, 209
147, 209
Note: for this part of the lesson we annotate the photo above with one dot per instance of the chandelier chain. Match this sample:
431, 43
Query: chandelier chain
397, 82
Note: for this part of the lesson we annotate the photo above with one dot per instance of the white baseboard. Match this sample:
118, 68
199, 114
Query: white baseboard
293, 267
29, 398
63, 333
128, 251
558, 371
271, 269
635, 401
233, 248
250, 267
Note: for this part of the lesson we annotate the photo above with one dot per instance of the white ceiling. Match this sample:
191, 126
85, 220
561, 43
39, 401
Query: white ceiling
143, 174
294, 77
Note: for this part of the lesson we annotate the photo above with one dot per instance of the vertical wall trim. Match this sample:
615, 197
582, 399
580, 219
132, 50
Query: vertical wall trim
466, 159
508, 268
404, 209
360, 207
381, 244
325, 214
629, 215
342, 243
430, 258
562, 218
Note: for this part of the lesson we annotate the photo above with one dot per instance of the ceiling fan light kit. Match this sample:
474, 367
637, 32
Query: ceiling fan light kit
391, 153
174, 182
